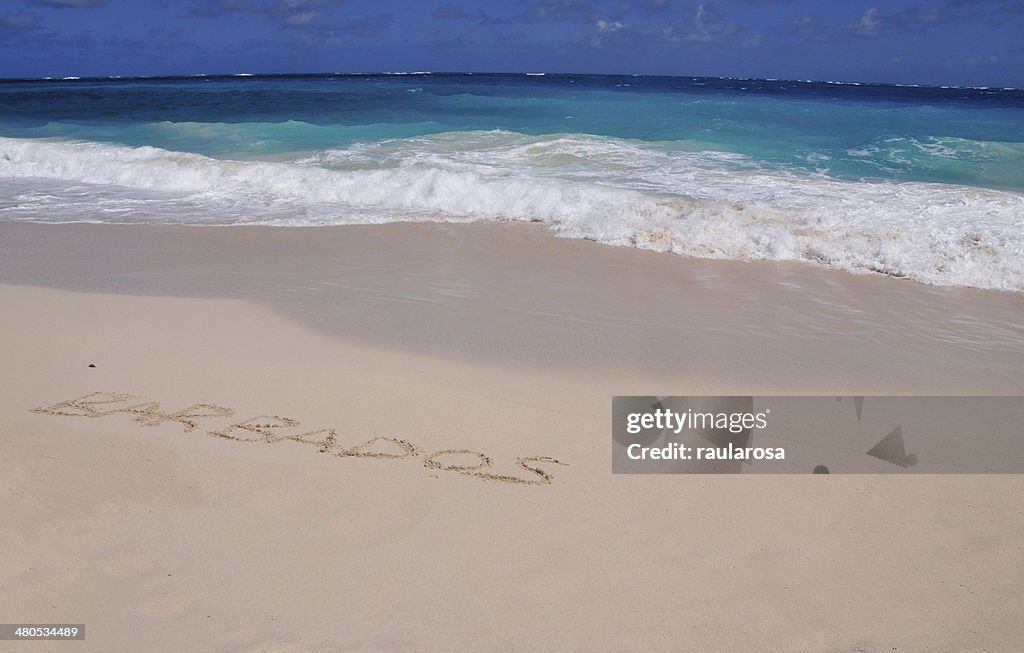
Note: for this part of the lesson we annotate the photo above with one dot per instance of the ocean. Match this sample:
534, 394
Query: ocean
925, 183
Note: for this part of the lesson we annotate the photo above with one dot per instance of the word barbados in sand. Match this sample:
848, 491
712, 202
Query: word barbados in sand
270, 429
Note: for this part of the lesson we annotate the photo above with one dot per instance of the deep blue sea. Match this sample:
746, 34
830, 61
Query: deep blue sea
918, 182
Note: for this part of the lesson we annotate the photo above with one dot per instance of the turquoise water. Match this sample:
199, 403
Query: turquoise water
921, 182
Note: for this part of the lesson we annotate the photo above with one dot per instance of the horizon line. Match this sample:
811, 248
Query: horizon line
530, 73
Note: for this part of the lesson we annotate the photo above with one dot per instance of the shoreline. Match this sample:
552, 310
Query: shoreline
513, 294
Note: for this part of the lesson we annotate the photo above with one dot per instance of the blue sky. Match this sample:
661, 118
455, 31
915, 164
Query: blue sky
972, 42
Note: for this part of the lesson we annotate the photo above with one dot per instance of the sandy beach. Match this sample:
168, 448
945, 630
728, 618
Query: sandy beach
396, 437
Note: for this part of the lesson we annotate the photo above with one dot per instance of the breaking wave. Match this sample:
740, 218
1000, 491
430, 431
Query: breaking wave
657, 196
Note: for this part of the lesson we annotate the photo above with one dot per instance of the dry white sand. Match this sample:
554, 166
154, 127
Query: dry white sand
162, 538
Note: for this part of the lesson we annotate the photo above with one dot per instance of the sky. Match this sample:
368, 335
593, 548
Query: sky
956, 42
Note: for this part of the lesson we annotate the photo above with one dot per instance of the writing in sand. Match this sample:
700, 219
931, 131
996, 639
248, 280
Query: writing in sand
270, 429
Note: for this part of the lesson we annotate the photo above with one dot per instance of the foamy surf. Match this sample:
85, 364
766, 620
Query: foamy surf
657, 196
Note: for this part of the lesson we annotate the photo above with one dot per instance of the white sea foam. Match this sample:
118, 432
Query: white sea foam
652, 196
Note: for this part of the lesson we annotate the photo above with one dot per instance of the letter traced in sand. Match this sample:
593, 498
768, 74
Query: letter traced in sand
270, 429
401, 449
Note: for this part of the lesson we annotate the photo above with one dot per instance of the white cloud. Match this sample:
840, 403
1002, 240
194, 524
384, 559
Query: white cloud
868, 23
606, 26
